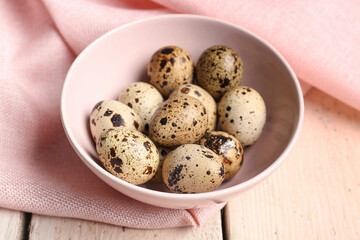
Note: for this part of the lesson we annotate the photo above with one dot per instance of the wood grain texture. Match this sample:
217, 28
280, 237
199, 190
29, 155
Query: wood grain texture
44, 228
11, 224
315, 194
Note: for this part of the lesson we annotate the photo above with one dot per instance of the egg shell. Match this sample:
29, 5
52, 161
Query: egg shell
179, 120
227, 147
170, 67
242, 113
112, 114
128, 154
144, 99
218, 69
192, 168
163, 152
204, 97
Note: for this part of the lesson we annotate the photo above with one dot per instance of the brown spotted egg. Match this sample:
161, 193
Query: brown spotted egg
242, 113
112, 114
178, 120
128, 154
163, 152
143, 98
192, 168
170, 67
227, 147
204, 97
218, 69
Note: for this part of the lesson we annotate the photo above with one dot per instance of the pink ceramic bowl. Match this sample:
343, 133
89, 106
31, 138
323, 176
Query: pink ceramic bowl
119, 58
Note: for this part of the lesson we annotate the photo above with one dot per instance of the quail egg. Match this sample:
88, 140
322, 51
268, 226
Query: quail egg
179, 120
204, 97
143, 98
128, 154
112, 114
170, 67
192, 168
218, 69
242, 113
227, 147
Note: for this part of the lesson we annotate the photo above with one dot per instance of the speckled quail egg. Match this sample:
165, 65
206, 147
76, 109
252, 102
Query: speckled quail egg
170, 67
111, 114
204, 97
143, 98
178, 120
163, 152
128, 154
242, 113
192, 168
227, 147
218, 69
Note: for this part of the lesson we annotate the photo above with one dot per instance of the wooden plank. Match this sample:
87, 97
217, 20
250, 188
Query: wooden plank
44, 228
12, 224
316, 192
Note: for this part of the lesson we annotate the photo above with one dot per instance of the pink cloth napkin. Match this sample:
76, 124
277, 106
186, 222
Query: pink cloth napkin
40, 172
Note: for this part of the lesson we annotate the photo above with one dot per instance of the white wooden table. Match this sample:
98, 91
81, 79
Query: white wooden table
315, 194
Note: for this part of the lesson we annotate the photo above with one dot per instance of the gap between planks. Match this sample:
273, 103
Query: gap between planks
13, 224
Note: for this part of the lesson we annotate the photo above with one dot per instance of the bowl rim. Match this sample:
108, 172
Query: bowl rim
233, 190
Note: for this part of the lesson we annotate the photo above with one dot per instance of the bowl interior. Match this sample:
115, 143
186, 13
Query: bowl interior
120, 58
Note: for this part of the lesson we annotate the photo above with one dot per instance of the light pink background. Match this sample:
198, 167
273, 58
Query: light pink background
39, 40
